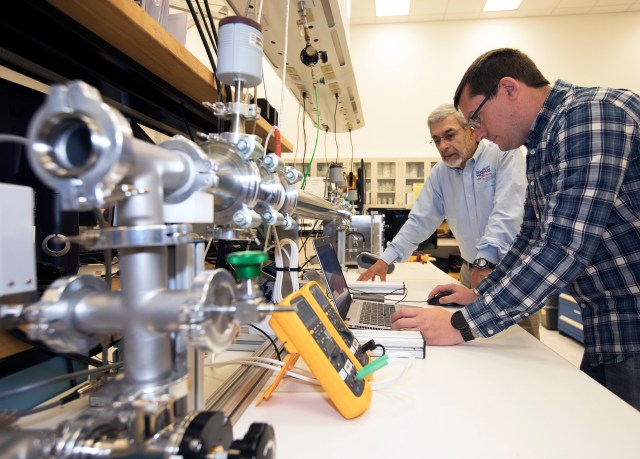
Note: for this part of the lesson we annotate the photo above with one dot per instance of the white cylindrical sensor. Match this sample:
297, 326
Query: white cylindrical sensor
239, 51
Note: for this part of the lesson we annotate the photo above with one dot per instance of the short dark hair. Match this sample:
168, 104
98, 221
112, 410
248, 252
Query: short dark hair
487, 70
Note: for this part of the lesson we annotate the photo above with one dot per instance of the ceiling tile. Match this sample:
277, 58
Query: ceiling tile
419, 7
363, 8
528, 13
566, 4
575, 10
600, 3
465, 6
609, 9
538, 5
363, 11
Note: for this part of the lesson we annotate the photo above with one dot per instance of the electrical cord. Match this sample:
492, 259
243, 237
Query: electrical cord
315, 146
268, 364
16, 139
292, 257
266, 141
397, 291
326, 131
295, 155
351, 141
304, 133
284, 61
273, 343
55, 379
304, 243
302, 375
406, 357
207, 49
335, 124
77, 391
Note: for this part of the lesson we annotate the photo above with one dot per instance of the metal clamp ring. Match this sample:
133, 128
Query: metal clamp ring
56, 253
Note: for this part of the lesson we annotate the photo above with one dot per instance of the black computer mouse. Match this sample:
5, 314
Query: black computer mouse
435, 300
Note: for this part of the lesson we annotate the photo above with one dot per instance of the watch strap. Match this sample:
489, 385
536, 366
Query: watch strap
459, 323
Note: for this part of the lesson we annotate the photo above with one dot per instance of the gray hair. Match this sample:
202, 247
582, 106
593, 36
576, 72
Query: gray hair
444, 111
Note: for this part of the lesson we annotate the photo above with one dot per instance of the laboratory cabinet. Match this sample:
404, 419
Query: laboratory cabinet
570, 317
389, 182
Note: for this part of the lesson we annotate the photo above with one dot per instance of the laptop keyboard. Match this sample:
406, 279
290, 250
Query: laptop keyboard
376, 314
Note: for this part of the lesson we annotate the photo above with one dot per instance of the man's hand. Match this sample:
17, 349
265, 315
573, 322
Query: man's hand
434, 323
379, 268
454, 293
478, 275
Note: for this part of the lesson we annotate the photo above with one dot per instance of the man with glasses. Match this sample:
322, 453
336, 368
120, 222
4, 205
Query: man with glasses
581, 228
478, 189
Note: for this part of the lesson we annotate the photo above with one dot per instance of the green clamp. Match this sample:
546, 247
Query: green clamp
248, 264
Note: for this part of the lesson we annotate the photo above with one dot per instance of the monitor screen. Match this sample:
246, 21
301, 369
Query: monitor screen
333, 274
393, 221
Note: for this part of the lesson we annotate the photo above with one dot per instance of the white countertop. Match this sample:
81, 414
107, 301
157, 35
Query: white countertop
504, 397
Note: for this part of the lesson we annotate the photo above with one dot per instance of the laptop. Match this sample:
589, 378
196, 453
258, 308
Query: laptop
356, 313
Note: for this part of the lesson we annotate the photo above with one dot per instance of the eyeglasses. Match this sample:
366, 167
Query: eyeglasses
474, 120
448, 136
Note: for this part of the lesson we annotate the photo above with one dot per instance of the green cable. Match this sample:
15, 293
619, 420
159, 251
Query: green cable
304, 179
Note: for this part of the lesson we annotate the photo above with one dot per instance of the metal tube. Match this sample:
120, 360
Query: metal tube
175, 168
147, 353
311, 206
237, 120
143, 273
100, 313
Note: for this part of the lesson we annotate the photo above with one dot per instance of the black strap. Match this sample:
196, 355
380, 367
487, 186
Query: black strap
289, 269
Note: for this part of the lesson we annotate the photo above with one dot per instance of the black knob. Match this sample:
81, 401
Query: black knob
258, 443
206, 431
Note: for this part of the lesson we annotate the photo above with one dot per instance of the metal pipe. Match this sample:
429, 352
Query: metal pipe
103, 313
143, 273
311, 206
176, 168
147, 353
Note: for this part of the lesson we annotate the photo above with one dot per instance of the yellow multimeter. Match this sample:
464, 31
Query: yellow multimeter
339, 325
309, 333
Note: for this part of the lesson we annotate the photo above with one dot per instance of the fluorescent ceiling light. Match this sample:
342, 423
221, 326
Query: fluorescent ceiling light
502, 5
392, 7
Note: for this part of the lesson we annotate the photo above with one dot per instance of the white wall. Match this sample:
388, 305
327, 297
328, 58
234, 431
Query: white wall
404, 71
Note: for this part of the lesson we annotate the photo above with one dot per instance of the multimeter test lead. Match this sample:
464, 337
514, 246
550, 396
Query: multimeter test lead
372, 367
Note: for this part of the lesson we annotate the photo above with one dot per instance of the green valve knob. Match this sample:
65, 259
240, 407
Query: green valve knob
247, 264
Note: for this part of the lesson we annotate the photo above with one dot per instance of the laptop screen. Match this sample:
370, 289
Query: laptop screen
333, 274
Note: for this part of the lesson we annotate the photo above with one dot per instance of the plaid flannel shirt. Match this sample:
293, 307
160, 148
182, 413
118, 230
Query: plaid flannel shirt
581, 227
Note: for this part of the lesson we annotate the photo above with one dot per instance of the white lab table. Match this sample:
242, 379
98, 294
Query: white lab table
505, 397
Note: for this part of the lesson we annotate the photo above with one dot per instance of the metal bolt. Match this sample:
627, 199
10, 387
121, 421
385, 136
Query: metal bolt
240, 218
195, 445
242, 145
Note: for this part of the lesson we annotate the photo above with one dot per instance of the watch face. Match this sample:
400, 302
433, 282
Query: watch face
480, 263
458, 321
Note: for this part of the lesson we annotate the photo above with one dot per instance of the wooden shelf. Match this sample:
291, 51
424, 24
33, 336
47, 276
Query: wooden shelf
127, 27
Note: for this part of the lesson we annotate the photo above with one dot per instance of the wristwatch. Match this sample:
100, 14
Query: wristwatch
459, 323
483, 263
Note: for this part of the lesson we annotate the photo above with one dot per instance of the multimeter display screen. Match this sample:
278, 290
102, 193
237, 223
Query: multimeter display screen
305, 312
